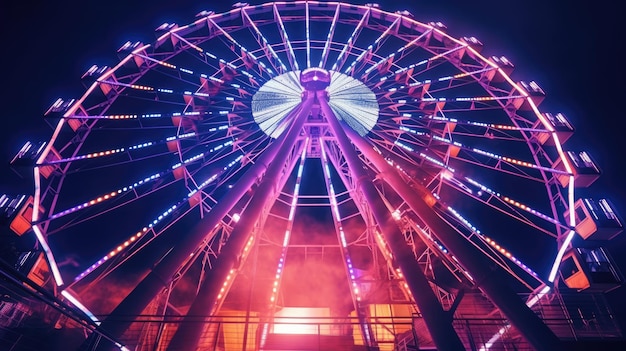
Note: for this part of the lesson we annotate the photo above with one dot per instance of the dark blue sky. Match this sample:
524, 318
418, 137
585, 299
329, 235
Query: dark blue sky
572, 50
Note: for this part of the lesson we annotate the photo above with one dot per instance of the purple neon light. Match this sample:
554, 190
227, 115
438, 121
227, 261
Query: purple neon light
153, 177
370, 49
482, 124
349, 43
423, 62
229, 37
491, 242
356, 293
512, 202
266, 44
110, 152
285, 37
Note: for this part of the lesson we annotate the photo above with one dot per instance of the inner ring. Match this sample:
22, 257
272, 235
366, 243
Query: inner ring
351, 100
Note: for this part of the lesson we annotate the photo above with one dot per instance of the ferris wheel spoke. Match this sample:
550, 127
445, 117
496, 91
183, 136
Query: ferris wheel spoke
507, 164
154, 92
227, 69
382, 68
264, 44
210, 83
242, 54
193, 160
509, 167
218, 168
405, 71
410, 140
125, 149
406, 82
174, 171
124, 252
515, 205
285, 38
136, 242
307, 30
490, 248
250, 145
347, 47
473, 155
329, 37
136, 191
372, 49
490, 131
182, 73
451, 79
454, 147
410, 159
406, 138
502, 203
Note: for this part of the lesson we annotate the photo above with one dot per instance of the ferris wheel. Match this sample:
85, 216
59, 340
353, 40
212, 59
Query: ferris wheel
259, 161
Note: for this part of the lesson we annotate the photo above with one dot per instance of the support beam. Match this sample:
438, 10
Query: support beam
488, 277
187, 336
438, 321
366, 328
159, 277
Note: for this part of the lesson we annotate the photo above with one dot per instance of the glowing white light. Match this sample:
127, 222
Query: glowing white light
559, 256
51, 262
353, 102
274, 101
396, 215
80, 306
349, 99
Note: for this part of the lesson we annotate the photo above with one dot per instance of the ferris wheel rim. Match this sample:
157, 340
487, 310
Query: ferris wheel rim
284, 49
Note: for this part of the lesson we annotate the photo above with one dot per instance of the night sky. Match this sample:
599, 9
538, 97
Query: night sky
572, 50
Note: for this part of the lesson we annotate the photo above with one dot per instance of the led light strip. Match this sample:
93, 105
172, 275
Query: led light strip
134, 185
127, 243
229, 37
356, 293
283, 254
512, 202
491, 242
356, 30
110, 152
265, 42
286, 37
371, 47
506, 159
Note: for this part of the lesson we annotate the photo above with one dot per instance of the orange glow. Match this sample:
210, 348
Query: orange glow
302, 320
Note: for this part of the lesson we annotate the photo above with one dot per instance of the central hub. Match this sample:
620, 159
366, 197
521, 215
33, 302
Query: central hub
350, 99
314, 79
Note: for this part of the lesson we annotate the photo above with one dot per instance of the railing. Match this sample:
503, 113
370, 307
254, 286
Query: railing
571, 317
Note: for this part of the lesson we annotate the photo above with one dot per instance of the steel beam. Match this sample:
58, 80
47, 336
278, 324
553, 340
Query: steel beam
488, 277
438, 321
160, 276
187, 336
